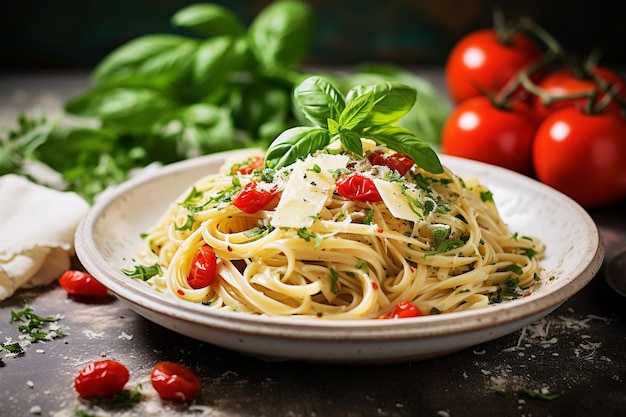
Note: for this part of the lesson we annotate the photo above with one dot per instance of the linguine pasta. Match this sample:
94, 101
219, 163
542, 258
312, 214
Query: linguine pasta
437, 241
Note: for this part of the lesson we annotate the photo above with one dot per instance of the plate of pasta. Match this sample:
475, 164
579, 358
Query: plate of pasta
335, 260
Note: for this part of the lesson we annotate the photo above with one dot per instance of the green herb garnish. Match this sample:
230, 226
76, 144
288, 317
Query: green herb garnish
365, 112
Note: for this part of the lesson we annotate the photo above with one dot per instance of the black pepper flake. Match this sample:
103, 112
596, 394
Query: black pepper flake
230, 248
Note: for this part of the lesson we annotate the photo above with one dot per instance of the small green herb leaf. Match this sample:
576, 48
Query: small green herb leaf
319, 100
356, 111
143, 272
295, 143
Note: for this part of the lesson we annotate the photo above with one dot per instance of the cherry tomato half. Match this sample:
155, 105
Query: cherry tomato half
203, 268
564, 82
101, 379
480, 63
81, 283
358, 187
254, 197
174, 382
402, 310
583, 156
248, 166
395, 161
478, 130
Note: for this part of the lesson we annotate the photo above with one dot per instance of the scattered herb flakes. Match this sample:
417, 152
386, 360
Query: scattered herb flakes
143, 272
34, 328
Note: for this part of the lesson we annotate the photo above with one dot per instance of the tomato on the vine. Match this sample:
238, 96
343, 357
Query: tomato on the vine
401, 310
477, 129
395, 161
482, 63
255, 196
175, 382
203, 268
565, 81
582, 155
101, 379
358, 187
80, 283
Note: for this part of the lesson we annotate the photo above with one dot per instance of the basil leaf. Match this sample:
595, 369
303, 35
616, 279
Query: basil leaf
352, 142
402, 140
206, 129
281, 33
130, 108
427, 117
150, 55
319, 100
208, 20
392, 101
294, 143
213, 61
356, 111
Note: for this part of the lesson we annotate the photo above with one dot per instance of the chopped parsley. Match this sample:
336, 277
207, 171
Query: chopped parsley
308, 235
334, 280
36, 328
187, 226
144, 272
486, 196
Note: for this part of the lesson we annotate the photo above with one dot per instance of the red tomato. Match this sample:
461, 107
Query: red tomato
393, 160
481, 63
248, 166
82, 284
583, 156
478, 130
402, 310
254, 197
203, 267
358, 187
101, 379
174, 382
563, 82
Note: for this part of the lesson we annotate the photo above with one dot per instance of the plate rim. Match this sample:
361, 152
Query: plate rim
431, 326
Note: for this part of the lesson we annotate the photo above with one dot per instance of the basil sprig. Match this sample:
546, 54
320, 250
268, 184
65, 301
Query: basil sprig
365, 112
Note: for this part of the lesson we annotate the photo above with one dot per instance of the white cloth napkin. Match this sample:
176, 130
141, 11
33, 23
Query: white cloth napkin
37, 226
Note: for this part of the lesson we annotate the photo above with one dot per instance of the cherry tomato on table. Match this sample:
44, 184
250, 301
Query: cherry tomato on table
582, 155
481, 63
358, 187
402, 310
203, 268
254, 197
80, 283
565, 82
174, 382
101, 379
476, 129
395, 161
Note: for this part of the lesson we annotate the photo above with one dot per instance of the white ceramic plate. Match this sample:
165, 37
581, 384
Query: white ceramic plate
107, 239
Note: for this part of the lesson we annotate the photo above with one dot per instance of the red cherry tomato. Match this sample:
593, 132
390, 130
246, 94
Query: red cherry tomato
101, 379
478, 130
564, 82
254, 197
583, 156
203, 267
358, 187
81, 283
248, 166
174, 382
481, 63
393, 160
402, 310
